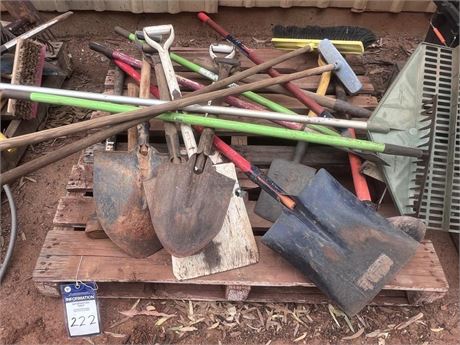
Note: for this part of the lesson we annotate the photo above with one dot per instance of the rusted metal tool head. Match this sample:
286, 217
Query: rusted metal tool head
121, 205
188, 209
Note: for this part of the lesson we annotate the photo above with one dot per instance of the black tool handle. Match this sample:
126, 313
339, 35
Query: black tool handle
101, 49
122, 32
404, 151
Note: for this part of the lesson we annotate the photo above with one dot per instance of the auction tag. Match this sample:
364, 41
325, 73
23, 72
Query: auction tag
81, 308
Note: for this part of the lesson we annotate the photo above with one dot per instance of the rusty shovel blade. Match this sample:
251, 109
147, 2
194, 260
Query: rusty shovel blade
188, 209
121, 206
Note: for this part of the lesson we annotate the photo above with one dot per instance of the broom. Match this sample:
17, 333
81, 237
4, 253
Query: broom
347, 39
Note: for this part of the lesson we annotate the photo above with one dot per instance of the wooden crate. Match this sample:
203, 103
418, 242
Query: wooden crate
69, 252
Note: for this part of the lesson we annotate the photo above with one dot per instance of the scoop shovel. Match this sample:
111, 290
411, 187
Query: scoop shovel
121, 206
345, 247
190, 203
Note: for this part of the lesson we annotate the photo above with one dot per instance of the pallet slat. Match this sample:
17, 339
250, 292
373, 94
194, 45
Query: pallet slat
66, 252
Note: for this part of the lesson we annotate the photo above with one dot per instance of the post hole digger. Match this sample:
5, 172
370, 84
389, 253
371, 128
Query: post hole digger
195, 198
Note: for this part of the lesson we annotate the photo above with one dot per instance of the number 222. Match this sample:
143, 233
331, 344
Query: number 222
82, 319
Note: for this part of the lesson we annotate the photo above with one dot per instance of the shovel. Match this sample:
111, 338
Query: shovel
190, 202
346, 248
121, 206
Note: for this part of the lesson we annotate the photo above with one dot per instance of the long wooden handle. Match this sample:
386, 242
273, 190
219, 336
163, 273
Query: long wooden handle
144, 113
171, 134
133, 91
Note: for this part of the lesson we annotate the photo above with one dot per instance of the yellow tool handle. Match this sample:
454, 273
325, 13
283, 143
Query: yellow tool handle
323, 82
3, 137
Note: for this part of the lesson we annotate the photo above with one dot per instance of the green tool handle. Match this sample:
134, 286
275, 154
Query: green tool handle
290, 134
250, 128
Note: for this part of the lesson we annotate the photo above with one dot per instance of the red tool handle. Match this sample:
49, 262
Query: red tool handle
359, 180
439, 35
136, 76
252, 172
294, 89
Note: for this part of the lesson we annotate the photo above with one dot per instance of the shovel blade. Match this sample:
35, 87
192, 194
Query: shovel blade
347, 249
188, 209
291, 177
121, 206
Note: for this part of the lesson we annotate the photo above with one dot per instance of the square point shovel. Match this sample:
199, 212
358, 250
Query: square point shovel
345, 247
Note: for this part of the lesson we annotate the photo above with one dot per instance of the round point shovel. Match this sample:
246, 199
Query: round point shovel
121, 205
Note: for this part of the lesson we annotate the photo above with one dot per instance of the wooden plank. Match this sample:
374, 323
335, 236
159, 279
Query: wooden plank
233, 247
74, 210
63, 252
239, 140
264, 294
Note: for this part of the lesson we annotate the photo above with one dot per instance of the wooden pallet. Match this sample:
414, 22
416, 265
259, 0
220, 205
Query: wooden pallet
68, 251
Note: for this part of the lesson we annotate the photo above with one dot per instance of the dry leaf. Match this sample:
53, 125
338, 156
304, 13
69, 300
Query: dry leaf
197, 321
337, 312
188, 329
297, 318
190, 308
257, 329
354, 336
150, 308
134, 312
30, 179
301, 337
374, 334
331, 310
436, 330
115, 335
296, 329
163, 320
407, 323
381, 341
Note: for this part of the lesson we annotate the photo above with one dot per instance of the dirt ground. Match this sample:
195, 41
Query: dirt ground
27, 317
